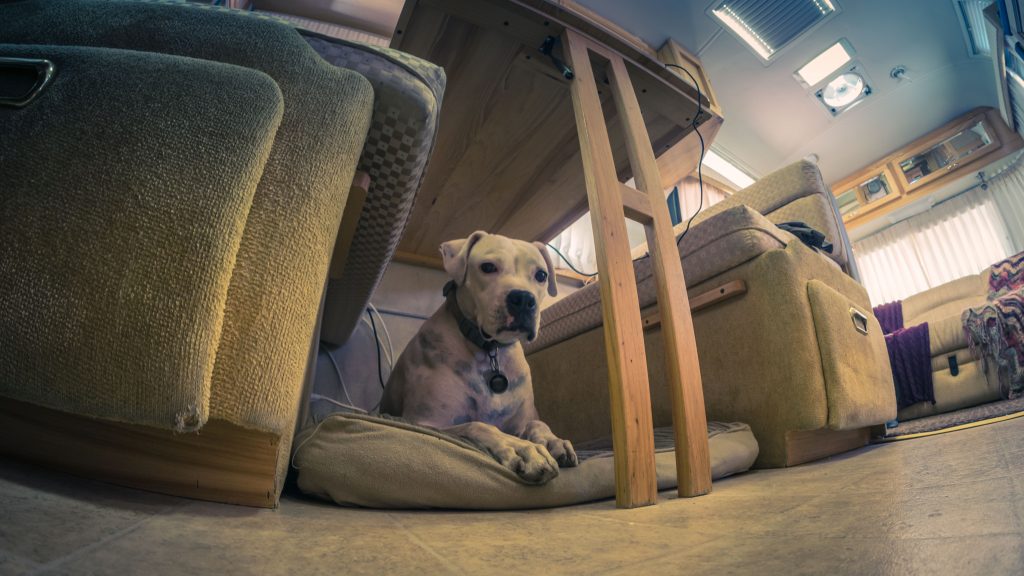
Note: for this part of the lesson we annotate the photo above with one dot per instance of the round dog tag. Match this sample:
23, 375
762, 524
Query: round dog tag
498, 383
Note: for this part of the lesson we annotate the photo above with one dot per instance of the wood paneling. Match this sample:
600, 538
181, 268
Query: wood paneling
221, 462
507, 159
682, 368
632, 424
810, 445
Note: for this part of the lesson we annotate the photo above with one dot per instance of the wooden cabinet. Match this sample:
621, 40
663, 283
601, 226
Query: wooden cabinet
922, 167
871, 188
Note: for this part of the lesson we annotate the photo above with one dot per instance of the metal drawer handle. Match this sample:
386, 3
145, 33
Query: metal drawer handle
22, 79
860, 321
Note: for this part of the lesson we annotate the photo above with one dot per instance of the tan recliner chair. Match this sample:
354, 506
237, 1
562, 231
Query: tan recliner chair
169, 203
786, 339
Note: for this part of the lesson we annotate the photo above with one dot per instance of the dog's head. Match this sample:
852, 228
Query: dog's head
501, 283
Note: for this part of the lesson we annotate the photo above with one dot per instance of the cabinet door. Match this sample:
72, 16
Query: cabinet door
866, 192
959, 146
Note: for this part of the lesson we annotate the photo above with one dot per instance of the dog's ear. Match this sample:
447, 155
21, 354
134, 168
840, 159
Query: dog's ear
455, 254
552, 285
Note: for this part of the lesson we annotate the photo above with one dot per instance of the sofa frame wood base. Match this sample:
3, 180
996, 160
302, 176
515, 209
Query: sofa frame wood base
222, 462
809, 445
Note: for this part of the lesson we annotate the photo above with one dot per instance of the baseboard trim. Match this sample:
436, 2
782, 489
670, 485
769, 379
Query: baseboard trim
222, 462
808, 445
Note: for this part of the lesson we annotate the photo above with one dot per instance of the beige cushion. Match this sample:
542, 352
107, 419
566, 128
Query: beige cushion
125, 190
717, 244
379, 463
793, 193
946, 335
946, 300
970, 387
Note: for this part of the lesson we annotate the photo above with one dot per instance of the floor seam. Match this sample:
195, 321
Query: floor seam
57, 563
452, 567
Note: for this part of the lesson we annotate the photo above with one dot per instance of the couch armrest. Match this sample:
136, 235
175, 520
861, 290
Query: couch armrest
946, 299
794, 193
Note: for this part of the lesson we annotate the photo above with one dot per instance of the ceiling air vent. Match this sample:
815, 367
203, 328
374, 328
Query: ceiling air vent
767, 26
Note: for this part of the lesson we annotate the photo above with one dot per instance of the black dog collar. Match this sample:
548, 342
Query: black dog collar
497, 381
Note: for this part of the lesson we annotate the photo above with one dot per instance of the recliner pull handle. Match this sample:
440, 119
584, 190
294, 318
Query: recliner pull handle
860, 321
22, 79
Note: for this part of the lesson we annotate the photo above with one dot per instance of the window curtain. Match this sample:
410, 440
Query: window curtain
956, 238
577, 241
1008, 191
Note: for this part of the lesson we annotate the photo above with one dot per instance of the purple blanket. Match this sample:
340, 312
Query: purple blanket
910, 357
890, 316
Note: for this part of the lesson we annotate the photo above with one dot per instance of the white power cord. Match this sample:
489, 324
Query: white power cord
337, 370
387, 335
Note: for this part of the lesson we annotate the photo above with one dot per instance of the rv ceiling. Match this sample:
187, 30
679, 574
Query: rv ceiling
771, 120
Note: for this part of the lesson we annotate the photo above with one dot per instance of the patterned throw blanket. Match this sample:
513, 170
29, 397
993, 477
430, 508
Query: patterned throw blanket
995, 331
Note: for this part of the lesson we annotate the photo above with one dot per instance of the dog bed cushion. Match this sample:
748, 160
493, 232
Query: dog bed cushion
370, 461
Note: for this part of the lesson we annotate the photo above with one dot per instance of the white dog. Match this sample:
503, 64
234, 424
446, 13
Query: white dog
465, 371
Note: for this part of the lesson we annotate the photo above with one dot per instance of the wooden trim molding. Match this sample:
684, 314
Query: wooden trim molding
809, 445
222, 462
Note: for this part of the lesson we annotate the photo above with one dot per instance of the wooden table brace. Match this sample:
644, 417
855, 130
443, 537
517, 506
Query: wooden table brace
632, 428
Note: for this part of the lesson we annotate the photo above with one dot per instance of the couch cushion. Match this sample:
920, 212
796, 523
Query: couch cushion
281, 266
946, 299
407, 101
946, 335
124, 191
793, 193
717, 244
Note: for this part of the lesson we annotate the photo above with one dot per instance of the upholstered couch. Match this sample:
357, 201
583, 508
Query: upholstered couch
786, 339
960, 380
169, 205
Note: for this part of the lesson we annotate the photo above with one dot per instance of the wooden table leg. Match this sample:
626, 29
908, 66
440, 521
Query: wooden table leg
610, 202
632, 428
693, 467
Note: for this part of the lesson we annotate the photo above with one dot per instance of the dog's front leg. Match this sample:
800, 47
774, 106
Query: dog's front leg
530, 461
562, 450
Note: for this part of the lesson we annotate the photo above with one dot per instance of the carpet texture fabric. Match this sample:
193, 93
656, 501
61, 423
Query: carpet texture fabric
124, 190
956, 418
281, 265
358, 460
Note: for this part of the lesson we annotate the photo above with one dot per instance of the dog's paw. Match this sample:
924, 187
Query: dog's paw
563, 452
531, 462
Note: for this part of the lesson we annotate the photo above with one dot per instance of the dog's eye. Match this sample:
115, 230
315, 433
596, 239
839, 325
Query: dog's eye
488, 268
541, 276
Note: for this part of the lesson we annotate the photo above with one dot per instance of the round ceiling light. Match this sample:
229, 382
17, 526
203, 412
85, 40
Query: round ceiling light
843, 90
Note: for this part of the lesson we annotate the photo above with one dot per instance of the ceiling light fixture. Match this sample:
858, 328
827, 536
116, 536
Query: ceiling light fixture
833, 58
768, 26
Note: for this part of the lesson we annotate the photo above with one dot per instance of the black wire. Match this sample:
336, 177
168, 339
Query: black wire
376, 340
700, 174
700, 162
570, 263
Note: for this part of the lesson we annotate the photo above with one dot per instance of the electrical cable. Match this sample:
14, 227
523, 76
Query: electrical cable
570, 263
316, 396
387, 336
380, 375
337, 371
700, 161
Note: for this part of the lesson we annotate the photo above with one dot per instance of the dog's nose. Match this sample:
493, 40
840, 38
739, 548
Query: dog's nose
520, 302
